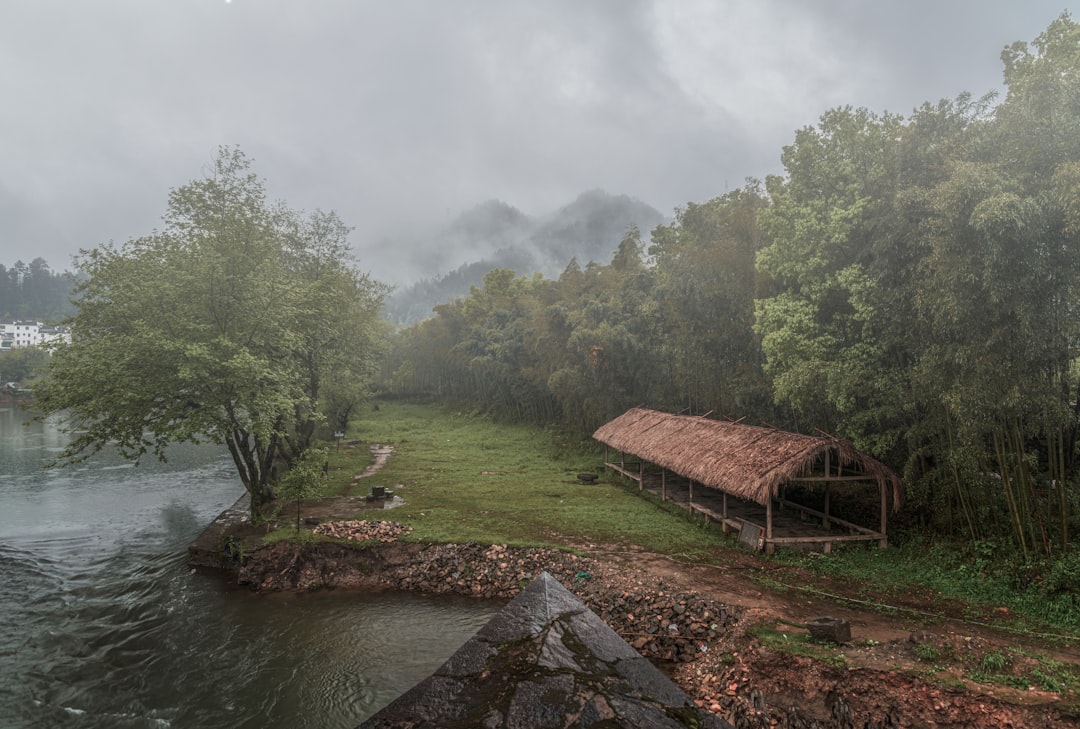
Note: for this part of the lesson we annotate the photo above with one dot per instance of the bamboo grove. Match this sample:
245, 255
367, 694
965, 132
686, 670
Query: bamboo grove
910, 283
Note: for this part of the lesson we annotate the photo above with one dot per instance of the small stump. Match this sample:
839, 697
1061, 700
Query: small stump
837, 630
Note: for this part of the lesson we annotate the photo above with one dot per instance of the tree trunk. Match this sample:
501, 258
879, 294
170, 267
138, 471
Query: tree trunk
252, 470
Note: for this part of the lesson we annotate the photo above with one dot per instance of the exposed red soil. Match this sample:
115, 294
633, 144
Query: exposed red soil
712, 651
886, 680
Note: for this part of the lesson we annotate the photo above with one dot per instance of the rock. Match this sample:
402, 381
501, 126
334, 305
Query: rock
920, 637
363, 530
837, 630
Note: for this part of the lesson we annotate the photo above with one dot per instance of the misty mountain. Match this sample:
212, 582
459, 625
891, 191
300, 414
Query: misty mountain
475, 235
497, 235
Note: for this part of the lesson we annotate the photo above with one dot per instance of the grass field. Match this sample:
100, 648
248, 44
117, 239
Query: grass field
466, 478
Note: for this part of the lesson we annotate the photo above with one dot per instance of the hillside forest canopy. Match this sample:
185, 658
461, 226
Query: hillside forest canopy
34, 291
910, 283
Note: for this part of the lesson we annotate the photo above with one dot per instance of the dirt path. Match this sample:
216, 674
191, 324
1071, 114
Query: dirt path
381, 454
912, 666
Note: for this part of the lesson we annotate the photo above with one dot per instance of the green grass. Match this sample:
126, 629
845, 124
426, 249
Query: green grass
1038, 670
960, 572
799, 644
346, 461
465, 478
290, 534
927, 653
1050, 674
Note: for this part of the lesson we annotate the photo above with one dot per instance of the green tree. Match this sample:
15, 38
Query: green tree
23, 364
494, 343
304, 480
34, 291
1001, 284
612, 325
225, 325
827, 221
706, 286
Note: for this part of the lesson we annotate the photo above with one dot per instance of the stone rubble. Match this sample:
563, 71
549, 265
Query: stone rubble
660, 620
363, 530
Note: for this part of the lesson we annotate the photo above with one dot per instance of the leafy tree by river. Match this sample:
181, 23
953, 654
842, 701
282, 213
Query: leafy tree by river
241, 322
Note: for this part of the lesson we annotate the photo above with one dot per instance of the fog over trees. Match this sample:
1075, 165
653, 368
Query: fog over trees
909, 282
495, 234
34, 291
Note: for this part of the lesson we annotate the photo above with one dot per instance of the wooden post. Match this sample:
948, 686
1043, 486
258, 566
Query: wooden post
723, 512
884, 541
641, 475
825, 520
663, 484
770, 548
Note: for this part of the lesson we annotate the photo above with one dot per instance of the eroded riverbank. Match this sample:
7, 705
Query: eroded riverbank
708, 645
703, 624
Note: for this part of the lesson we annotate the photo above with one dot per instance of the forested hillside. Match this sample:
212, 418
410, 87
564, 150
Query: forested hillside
910, 283
34, 291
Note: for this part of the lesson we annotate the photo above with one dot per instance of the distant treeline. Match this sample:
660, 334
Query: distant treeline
34, 291
911, 284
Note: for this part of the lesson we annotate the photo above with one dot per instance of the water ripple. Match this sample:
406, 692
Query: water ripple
104, 626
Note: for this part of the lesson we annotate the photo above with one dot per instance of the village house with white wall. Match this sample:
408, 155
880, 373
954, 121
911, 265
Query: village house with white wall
29, 334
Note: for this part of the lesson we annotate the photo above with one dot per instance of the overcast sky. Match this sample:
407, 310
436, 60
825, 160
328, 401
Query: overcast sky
400, 112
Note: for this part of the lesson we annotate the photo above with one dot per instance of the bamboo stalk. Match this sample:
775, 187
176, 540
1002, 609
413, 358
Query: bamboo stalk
1006, 484
965, 509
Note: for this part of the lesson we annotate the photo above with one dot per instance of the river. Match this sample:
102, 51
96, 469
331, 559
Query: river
103, 625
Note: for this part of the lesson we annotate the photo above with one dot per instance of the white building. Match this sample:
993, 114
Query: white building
29, 334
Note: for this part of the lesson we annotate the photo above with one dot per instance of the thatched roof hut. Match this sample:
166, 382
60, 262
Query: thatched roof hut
749, 462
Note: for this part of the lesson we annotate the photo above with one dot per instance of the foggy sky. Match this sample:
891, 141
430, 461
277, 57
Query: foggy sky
403, 113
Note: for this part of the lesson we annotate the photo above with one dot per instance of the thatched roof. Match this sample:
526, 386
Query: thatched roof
746, 461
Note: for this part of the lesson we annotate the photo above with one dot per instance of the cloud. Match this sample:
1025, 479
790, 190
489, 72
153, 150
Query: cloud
404, 114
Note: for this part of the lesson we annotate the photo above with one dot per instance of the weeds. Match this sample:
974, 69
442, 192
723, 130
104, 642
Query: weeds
1053, 675
994, 587
799, 644
289, 534
993, 662
927, 653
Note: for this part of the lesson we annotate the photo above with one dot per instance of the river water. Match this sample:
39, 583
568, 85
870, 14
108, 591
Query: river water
102, 624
